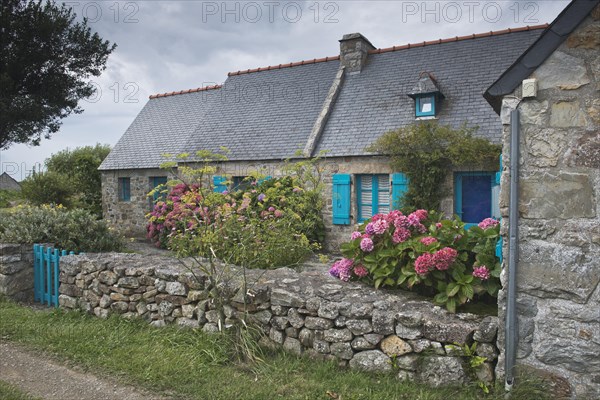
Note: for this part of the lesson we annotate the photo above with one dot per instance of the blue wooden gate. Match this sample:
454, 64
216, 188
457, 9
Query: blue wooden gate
46, 261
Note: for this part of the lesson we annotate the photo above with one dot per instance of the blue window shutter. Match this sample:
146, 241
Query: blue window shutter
499, 248
219, 184
499, 173
399, 187
341, 199
266, 178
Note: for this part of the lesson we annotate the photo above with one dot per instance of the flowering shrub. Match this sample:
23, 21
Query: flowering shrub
421, 251
270, 224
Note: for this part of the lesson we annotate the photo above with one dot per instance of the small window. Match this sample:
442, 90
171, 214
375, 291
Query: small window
425, 106
239, 183
156, 181
124, 189
473, 199
373, 195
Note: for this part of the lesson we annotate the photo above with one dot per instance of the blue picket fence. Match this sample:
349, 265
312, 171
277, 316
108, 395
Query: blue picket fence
46, 263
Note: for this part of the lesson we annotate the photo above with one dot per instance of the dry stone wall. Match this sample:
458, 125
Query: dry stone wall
16, 271
306, 312
558, 274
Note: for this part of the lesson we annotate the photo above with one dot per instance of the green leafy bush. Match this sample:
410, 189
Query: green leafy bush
73, 230
8, 197
420, 251
426, 151
268, 224
72, 179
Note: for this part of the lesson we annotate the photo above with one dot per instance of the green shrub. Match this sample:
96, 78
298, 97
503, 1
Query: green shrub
7, 197
422, 252
47, 188
74, 230
268, 224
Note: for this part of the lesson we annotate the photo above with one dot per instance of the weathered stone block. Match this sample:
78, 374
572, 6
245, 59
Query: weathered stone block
371, 361
317, 323
442, 371
341, 350
563, 71
292, 345
567, 114
337, 335
176, 289
286, 298
360, 343
394, 346
359, 326
306, 337
449, 331
487, 330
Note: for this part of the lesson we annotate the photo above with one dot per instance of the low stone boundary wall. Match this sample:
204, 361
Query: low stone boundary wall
306, 312
16, 271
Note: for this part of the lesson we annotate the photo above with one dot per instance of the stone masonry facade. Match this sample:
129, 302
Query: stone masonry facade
558, 272
307, 312
130, 216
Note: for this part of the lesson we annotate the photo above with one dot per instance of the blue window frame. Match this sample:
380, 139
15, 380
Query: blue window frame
124, 189
372, 195
473, 199
156, 181
425, 106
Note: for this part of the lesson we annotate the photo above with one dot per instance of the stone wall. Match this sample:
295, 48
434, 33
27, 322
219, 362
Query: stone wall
16, 271
130, 215
306, 312
559, 269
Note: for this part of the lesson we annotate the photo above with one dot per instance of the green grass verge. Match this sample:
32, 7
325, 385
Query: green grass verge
191, 364
10, 392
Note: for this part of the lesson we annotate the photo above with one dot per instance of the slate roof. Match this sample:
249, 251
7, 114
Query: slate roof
376, 101
268, 113
163, 126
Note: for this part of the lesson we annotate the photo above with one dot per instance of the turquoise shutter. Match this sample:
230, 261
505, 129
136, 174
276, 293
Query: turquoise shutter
399, 187
341, 199
266, 178
219, 184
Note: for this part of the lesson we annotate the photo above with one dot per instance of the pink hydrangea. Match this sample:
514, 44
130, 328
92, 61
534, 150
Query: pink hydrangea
355, 235
370, 229
438, 225
342, 269
427, 240
401, 222
400, 235
482, 272
421, 214
380, 226
278, 213
392, 216
377, 217
366, 245
488, 223
424, 263
444, 258
271, 209
413, 219
360, 271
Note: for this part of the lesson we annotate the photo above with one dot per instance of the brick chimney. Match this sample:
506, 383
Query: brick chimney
354, 49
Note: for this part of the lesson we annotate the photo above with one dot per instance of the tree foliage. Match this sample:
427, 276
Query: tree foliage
426, 151
46, 60
72, 179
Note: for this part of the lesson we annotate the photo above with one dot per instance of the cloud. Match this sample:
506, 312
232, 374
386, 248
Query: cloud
165, 46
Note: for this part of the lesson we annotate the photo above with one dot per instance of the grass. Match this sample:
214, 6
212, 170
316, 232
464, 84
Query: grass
191, 364
10, 392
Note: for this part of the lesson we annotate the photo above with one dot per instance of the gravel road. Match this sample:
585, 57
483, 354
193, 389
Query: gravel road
43, 377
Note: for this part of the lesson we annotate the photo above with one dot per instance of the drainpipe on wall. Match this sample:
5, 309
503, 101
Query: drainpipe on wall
510, 348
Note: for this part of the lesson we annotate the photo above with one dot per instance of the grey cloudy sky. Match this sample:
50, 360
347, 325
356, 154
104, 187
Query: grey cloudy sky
166, 46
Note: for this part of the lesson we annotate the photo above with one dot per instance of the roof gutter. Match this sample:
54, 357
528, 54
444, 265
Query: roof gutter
511, 338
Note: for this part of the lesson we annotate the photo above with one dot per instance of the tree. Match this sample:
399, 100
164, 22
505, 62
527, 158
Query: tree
72, 179
46, 60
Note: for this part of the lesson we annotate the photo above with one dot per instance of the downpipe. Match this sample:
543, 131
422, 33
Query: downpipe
510, 349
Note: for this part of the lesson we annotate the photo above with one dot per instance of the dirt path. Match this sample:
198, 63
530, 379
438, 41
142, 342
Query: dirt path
43, 377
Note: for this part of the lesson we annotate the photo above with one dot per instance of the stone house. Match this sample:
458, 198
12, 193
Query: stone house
338, 104
551, 97
7, 182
